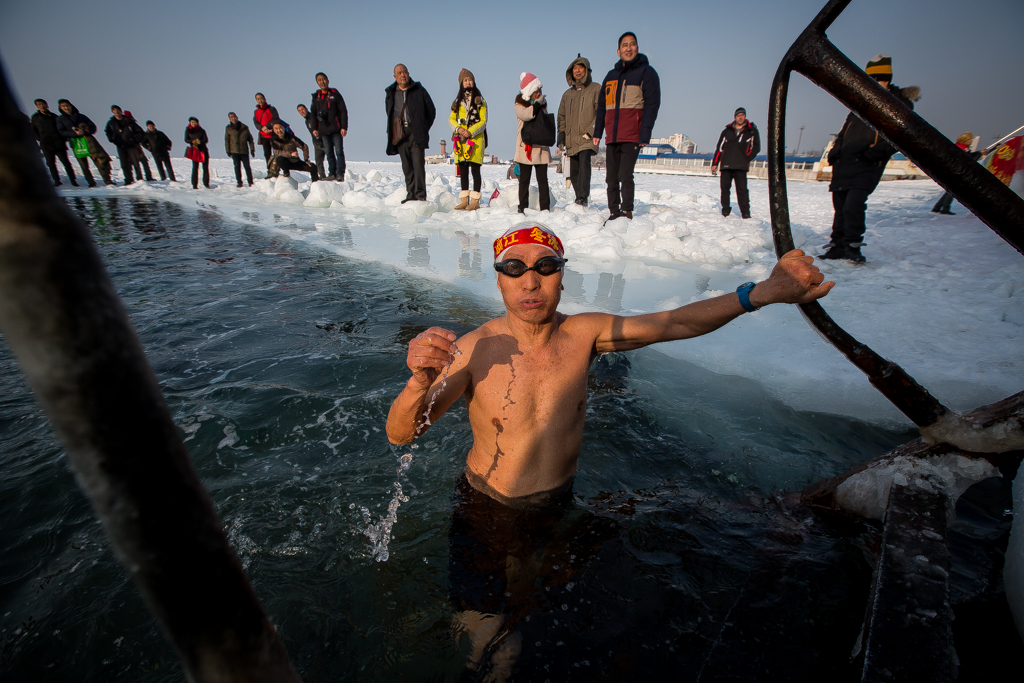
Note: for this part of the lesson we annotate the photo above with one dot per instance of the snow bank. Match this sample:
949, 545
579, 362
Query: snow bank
941, 295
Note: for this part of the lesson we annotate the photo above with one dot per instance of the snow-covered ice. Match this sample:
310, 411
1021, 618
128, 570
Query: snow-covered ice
943, 296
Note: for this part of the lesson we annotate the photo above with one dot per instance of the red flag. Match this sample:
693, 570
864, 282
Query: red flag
1007, 159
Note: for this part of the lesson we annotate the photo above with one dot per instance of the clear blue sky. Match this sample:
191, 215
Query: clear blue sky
170, 60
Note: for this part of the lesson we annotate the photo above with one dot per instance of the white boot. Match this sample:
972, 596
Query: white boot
463, 201
474, 201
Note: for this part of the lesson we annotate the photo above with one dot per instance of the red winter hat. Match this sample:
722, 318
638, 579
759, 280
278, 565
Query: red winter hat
528, 84
128, 114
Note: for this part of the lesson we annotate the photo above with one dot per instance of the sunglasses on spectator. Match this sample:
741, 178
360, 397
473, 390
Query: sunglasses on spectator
516, 268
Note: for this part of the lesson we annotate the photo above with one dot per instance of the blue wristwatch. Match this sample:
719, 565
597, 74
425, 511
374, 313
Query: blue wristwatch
743, 291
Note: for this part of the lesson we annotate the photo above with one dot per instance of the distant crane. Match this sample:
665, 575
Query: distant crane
798, 140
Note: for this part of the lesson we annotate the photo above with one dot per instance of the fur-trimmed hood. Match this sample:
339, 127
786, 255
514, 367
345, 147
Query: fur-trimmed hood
911, 92
587, 80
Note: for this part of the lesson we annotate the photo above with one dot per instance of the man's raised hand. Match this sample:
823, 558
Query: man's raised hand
794, 280
429, 353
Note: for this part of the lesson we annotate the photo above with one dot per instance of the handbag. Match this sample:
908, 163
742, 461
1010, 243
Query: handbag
80, 147
195, 155
398, 124
540, 130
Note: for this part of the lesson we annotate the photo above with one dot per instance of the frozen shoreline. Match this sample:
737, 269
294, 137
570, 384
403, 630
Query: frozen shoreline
943, 296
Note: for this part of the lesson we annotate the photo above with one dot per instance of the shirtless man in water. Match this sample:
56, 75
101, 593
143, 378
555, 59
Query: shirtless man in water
524, 375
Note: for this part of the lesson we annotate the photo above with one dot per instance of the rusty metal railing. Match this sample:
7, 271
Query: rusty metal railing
69, 332
814, 56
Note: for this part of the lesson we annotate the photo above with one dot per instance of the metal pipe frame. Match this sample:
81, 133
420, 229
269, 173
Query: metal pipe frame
814, 56
68, 330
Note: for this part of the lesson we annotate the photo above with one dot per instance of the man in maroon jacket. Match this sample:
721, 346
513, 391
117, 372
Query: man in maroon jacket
263, 118
328, 107
626, 114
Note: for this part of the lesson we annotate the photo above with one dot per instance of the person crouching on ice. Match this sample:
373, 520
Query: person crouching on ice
286, 154
524, 378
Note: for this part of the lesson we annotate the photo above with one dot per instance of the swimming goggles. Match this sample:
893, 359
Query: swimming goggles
513, 267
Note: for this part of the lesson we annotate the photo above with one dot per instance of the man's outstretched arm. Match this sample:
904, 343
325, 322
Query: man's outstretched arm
794, 280
428, 356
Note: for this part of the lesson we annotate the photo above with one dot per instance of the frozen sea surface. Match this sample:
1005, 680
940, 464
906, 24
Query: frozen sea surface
943, 296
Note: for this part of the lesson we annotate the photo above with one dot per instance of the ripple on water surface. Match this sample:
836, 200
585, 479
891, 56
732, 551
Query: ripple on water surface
279, 362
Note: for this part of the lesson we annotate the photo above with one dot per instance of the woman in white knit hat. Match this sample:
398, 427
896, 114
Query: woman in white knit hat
530, 103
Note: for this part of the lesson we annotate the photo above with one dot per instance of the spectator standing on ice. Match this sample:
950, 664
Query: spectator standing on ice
286, 154
122, 134
410, 113
328, 107
858, 158
198, 152
318, 145
139, 160
53, 145
946, 200
76, 126
530, 104
625, 116
239, 145
577, 113
263, 118
159, 145
737, 146
468, 122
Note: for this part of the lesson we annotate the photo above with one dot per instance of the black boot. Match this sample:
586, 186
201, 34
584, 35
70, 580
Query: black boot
835, 252
726, 210
853, 254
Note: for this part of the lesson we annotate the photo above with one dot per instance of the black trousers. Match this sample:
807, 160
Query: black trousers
206, 173
51, 156
163, 166
579, 173
742, 197
542, 185
268, 148
465, 168
141, 162
241, 160
414, 167
126, 155
848, 224
945, 201
621, 162
289, 164
318, 156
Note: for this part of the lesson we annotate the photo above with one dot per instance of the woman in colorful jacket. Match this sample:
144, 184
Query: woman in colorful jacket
198, 151
530, 102
469, 125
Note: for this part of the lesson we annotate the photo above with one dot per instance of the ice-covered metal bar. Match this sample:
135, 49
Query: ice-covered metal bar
814, 56
65, 324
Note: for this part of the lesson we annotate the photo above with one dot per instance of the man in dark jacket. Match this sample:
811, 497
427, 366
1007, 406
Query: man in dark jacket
139, 159
318, 146
410, 113
263, 118
858, 158
73, 125
121, 131
577, 113
239, 145
737, 146
626, 114
328, 108
53, 145
159, 145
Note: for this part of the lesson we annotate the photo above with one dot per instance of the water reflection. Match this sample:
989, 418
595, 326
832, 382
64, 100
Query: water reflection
418, 255
469, 256
609, 292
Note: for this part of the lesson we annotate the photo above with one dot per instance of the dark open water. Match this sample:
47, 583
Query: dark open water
279, 363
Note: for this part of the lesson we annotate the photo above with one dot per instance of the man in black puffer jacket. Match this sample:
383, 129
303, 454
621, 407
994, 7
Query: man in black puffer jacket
737, 146
410, 113
858, 158
331, 116
126, 135
51, 142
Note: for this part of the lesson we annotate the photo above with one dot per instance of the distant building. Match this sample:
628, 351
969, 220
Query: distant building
679, 142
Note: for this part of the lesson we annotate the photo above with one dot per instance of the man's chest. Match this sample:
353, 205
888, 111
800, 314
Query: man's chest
533, 384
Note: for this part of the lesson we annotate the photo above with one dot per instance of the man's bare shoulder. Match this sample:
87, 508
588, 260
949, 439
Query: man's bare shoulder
589, 324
